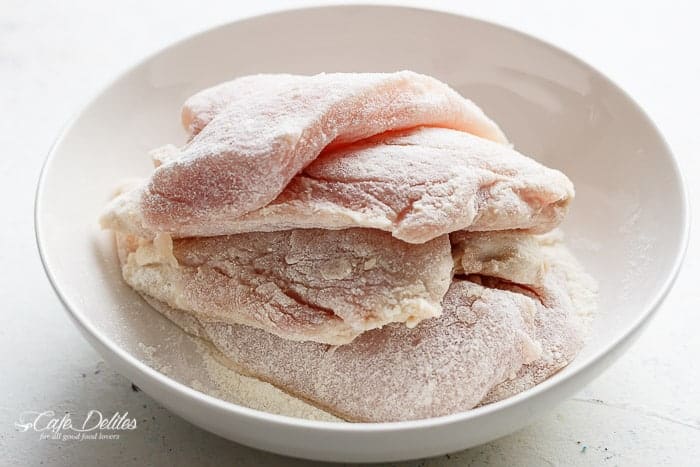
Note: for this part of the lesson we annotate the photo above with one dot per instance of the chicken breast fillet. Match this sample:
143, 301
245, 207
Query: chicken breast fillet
248, 152
539, 267
417, 184
494, 338
202, 107
316, 285
444, 365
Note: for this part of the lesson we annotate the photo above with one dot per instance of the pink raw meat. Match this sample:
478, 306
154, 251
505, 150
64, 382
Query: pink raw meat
538, 267
245, 156
495, 338
317, 285
442, 366
418, 184
201, 108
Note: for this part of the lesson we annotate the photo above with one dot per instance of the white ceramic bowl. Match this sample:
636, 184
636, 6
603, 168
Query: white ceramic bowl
629, 223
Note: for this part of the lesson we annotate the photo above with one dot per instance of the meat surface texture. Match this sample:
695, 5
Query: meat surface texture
250, 150
316, 285
443, 365
494, 338
201, 108
367, 242
539, 267
417, 184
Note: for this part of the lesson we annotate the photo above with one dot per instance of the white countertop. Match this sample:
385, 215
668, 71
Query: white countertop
645, 410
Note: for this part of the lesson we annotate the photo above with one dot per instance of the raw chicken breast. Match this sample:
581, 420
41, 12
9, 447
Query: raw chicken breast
509, 255
495, 338
202, 107
442, 366
417, 184
322, 286
542, 268
245, 156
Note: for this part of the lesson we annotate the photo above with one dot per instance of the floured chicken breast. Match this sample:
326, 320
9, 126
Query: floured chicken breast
418, 97
510, 255
539, 267
493, 336
417, 184
245, 156
367, 242
443, 365
316, 285
201, 108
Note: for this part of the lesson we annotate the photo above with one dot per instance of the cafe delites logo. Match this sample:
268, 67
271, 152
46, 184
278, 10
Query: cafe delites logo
94, 425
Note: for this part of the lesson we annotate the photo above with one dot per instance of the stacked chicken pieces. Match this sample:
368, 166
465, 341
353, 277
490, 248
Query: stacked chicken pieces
364, 241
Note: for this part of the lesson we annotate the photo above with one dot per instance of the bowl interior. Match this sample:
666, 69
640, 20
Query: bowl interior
627, 223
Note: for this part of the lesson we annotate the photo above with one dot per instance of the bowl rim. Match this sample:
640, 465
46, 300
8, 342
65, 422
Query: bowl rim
294, 422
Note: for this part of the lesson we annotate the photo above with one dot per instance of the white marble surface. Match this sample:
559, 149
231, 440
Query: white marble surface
53, 55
